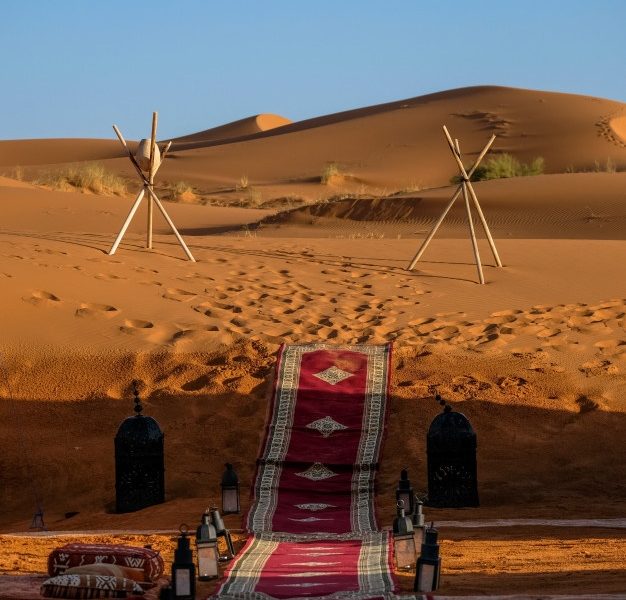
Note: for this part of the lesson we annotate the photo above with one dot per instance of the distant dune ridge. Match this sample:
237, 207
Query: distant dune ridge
536, 358
394, 146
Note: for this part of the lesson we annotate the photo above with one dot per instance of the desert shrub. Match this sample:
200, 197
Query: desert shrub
17, 173
608, 167
330, 170
180, 191
503, 166
252, 199
92, 177
243, 183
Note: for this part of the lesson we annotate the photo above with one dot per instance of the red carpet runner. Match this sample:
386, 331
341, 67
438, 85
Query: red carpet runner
313, 523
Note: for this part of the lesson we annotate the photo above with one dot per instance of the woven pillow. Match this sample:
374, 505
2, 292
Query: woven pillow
115, 570
89, 586
97, 569
74, 555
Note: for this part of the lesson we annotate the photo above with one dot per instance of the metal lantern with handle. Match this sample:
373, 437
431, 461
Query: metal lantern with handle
403, 542
230, 491
429, 563
183, 569
206, 549
222, 532
404, 493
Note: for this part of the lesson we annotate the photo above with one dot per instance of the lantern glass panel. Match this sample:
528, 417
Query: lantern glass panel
230, 500
182, 587
426, 577
404, 547
207, 560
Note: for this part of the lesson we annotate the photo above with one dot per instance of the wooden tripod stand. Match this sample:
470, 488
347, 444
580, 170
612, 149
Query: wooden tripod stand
466, 187
148, 168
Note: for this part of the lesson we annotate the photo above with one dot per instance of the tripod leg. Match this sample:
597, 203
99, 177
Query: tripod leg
481, 277
492, 244
171, 224
150, 212
129, 218
433, 231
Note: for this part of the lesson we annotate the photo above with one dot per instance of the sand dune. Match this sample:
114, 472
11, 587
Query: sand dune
536, 358
55, 151
618, 126
389, 147
236, 130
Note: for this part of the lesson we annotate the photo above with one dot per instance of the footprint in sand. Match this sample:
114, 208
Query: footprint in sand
610, 347
597, 367
148, 282
89, 309
178, 295
136, 326
204, 308
42, 298
108, 276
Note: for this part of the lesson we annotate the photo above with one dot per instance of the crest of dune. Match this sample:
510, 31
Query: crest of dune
618, 125
237, 129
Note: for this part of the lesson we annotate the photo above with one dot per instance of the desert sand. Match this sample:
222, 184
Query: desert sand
536, 358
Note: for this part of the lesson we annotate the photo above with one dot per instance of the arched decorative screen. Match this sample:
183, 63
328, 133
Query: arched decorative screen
451, 448
139, 463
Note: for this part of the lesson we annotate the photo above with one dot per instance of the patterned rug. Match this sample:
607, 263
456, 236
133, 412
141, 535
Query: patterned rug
313, 523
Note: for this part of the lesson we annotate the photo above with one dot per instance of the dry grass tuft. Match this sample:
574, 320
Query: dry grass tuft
181, 191
331, 171
90, 177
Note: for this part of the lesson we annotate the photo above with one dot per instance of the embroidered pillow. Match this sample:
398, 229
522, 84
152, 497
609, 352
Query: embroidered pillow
74, 555
114, 570
89, 586
97, 569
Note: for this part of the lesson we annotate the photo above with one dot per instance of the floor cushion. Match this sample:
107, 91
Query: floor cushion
89, 586
114, 570
134, 557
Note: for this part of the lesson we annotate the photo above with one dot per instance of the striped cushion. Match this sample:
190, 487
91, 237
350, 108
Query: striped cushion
89, 586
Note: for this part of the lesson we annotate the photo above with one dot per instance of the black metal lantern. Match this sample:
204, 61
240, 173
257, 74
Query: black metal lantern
206, 549
139, 463
404, 492
428, 564
403, 542
37, 522
418, 523
451, 448
230, 491
222, 532
183, 569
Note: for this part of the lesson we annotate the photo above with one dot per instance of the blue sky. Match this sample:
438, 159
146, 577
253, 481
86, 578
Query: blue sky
71, 68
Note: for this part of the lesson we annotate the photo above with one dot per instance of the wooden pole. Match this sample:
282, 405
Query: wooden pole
163, 155
479, 267
151, 180
155, 118
467, 177
171, 224
483, 221
147, 187
433, 231
129, 218
130, 154
468, 191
